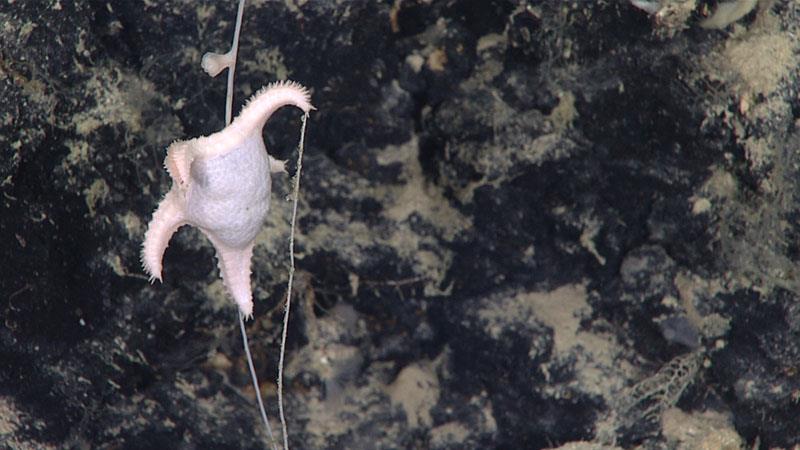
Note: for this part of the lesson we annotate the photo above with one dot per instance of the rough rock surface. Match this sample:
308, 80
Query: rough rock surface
522, 225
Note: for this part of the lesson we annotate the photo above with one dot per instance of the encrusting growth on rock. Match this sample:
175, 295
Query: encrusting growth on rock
221, 184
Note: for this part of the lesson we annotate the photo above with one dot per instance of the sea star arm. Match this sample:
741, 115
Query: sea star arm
234, 266
178, 162
268, 100
166, 220
250, 121
276, 165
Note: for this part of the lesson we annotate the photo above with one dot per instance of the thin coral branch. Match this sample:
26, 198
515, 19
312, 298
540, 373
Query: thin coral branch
295, 196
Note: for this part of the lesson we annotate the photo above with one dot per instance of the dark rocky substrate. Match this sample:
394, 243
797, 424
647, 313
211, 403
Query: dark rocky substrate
522, 225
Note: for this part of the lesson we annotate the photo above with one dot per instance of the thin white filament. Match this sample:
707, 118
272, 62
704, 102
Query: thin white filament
234, 51
232, 68
256, 386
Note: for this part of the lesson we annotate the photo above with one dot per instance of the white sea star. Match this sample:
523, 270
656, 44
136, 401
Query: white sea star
221, 184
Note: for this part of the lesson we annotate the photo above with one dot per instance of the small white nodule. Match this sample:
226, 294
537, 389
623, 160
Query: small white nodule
214, 63
727, 13
650, 7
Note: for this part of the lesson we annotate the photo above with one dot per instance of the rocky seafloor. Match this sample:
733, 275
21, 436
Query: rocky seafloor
522, 225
